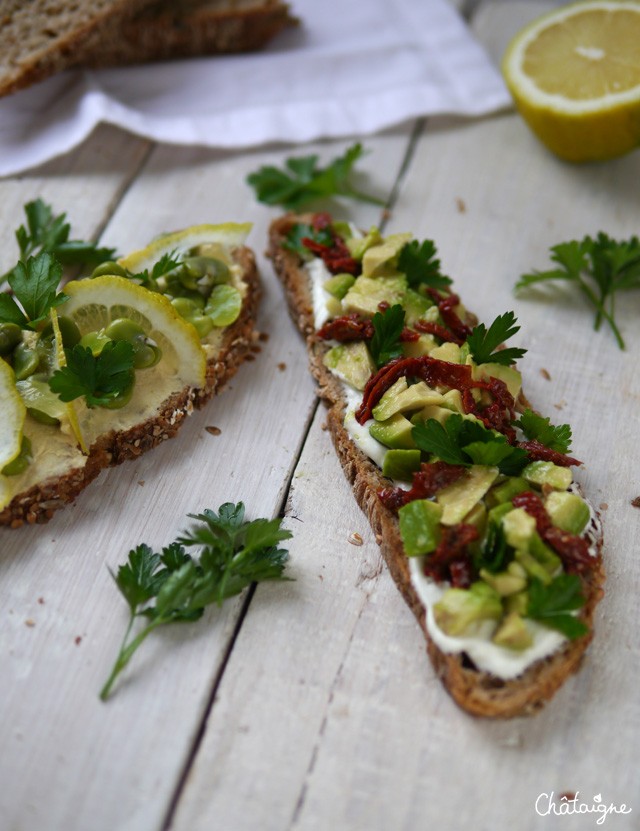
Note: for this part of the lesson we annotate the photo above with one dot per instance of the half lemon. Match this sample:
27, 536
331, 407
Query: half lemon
574, 75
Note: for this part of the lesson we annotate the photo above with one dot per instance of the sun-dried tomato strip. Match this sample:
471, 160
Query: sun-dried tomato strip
446, 305
432, 477
347, 328
451, 549
573, 550
429, 327
540, 453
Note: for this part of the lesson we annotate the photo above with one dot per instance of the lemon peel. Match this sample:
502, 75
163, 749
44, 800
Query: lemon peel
12, 416
574, 75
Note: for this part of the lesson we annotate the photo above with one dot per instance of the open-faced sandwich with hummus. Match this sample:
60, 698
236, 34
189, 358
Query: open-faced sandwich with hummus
468, 489
109, 366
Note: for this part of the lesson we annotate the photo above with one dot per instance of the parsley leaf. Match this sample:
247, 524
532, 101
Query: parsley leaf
540, 429
551, 604
303, 181
483, 343
99, 378
385, 343
173, 586
300, 231
34, 285
599, 268
418, 262
462, 441
45, 232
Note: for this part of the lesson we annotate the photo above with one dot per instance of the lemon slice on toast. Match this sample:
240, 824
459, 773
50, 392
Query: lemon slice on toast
12, 416
574, 75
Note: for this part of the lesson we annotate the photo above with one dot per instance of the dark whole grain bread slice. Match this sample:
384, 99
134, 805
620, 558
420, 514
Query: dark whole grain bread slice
39, 38
38, 503
478, 692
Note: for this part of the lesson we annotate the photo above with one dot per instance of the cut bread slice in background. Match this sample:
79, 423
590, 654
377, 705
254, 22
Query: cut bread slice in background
477, 691
39, 38
66, 457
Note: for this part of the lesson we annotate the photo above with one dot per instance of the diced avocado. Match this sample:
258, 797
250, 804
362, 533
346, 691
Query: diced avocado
385, 408
393, 432
518, 527
358, 245
431, 411
546, 473
420, 526
460, 497
401, 464
458, 609
567, 511
366, 294
505, 491
352, 362
339, 284
511, 377
517, 603
545, 555
498, 511
414, 397
513, 633
446, 352
532, 566
418, 348
452, 400
477, 516
381, 260
506, 582
415, 306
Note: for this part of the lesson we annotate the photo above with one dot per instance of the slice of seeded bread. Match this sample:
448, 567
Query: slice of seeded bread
39, 38
38, 503
478, 692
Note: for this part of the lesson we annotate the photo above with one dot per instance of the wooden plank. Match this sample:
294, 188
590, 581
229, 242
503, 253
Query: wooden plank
353, 702
70, 761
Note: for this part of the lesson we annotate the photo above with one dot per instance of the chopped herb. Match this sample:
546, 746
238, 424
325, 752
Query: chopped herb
551, 604
45, 232
233, 554
599, 268
300, 231
166, 264
461, 441
385, 343
540, 429
100, 379
419, 263
34, 285
303, 182
483, 343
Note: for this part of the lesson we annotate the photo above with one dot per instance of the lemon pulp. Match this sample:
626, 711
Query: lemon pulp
574, 75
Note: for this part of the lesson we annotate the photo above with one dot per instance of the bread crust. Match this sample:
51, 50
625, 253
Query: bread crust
478, 692
39, 503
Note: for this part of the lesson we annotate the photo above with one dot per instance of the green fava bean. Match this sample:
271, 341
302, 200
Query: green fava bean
21, 462
69, 332
186, 306
124, 329
42, 417
10, 337
224, 305
202, 323
214, 270
110, 268
145, 354
121, 400
95, 341
25, 361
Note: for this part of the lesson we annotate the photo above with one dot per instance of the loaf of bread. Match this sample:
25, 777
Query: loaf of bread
39, 38
56, 466
316, 266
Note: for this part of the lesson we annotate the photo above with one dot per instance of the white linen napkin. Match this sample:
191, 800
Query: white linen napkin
350, 69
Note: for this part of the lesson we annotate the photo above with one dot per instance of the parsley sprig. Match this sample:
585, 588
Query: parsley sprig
599, 268
483, 343
173, 586
387, 328
552, 604
303, 181
100, 379
46, 232
537, 427
418, 261
34, 286
463, 441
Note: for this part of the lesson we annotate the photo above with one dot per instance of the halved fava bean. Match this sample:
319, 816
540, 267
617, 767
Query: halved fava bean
25, 361
22, 460
10, 337
224, 305
145, 353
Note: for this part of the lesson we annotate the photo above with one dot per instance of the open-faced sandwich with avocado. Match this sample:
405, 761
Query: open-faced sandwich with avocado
469, 490
108, 366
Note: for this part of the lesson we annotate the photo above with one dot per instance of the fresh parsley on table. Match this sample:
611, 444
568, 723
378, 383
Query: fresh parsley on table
173, 586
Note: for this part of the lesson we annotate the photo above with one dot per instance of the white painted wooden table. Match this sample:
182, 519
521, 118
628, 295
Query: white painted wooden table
310, 705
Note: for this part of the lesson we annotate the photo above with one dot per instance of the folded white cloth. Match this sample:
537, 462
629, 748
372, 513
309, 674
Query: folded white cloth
350, 69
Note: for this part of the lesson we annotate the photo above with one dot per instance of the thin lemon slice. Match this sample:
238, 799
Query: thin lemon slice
12, 416
574, 75
94, 304
225, 236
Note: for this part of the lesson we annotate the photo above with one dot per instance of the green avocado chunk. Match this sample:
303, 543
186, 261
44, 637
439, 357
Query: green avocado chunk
420, 526
401, 464
381, 260
505, 491
399, 400
460, 497
513, 633
339, 285
366, 294
568, 511
458, 609
393, 432
546, 473
352, 362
